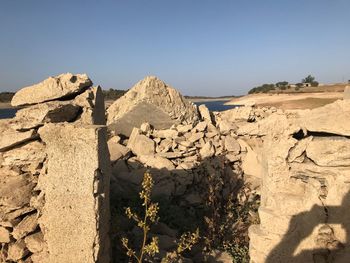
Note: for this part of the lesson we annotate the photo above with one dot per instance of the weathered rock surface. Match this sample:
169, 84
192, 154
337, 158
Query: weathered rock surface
15, 190
93, 106
11, 138
305, 162
140, 144
152, 101
85, 188
53, 88
329, 151
26, 226
157, 162
36, 115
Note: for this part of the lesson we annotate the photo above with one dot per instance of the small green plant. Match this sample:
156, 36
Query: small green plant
151, 211
187, 240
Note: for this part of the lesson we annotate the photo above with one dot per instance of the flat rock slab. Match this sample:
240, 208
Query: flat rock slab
142, 112
76, 211
36, 115
52, 88
10, 137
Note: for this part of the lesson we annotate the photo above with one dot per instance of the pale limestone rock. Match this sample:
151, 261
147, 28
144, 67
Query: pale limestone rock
204, 112
145, 127
156, 98
78, 176
297, 151
232, 157
207, 151
32, 153
231, 144
4, 235
201, 126
53, 88
93, 106
35, 242
251, 165
116, 150
329, 151
164, 145
332, 118
166, 134
26, 226
140, 144
195, 137
15, 190
39, 114
17, 250
155, 161
11, 138
238, 113
184, 128
182, 140
226, 127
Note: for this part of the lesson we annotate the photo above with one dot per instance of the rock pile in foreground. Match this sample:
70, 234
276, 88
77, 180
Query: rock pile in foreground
152, 101
44, 184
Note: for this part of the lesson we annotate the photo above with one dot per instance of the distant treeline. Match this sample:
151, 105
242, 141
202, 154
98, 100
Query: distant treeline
6, 96
284, 85
113, 94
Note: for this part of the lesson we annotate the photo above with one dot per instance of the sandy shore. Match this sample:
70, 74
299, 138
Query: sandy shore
288, 101
5, 105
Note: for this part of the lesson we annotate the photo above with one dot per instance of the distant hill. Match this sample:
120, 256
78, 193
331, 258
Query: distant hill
6, 96
272, 88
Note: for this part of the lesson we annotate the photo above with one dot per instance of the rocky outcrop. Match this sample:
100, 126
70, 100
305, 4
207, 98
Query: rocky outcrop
305, 189
53, 88
54, 174
152, 101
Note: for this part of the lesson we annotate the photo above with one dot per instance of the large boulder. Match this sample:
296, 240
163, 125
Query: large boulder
58, 87
152, 101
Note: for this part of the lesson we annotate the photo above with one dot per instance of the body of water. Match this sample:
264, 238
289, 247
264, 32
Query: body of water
7, 113
211, 105
217, 105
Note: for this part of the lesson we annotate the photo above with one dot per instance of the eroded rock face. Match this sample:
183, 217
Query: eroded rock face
85, 188
10, 137
305, 187
36, 115
155, 102
52, 88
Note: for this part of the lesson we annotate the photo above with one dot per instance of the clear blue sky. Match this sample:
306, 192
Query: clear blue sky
200, 47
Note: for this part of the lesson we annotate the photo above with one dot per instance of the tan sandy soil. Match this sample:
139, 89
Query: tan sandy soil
289, 101
5, 105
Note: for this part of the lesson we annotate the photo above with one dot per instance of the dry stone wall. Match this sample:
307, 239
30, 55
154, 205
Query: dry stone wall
54, 177
305, 186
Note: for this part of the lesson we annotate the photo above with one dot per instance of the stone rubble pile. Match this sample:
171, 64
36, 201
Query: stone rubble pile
152, 101
36, 147
173, 153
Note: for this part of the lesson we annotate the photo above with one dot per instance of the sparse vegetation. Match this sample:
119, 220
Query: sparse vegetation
113, 94
151, 248
220, 223
6, 96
